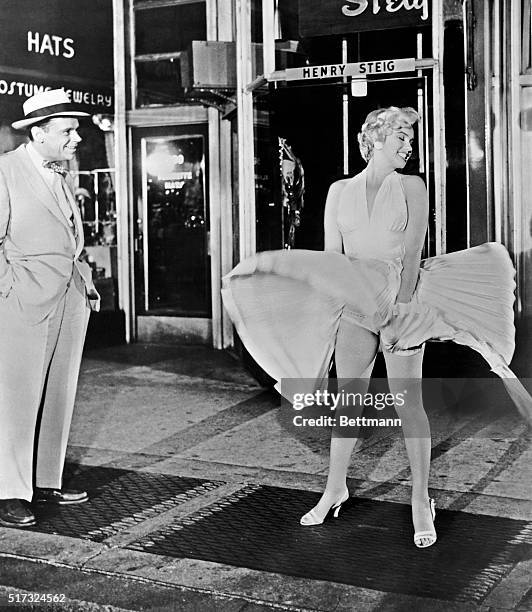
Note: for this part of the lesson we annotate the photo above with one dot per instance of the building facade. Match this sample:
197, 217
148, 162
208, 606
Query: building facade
258, 105
218, 126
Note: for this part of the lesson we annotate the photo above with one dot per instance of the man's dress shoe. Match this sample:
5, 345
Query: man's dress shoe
15, 513
60, 497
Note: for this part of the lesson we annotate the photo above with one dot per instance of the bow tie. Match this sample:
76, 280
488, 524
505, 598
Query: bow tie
52, 165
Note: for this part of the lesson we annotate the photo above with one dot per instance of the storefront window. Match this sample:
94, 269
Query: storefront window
96, 199
94, 177
164, 31
267, 201
256, 21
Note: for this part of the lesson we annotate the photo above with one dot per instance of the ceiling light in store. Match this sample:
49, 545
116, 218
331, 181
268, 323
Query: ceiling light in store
160, 163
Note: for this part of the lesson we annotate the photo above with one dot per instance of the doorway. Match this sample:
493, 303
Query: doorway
172, 260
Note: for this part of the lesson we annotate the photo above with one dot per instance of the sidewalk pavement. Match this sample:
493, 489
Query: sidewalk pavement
198, 478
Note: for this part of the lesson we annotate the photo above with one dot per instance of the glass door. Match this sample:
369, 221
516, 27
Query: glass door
172, 255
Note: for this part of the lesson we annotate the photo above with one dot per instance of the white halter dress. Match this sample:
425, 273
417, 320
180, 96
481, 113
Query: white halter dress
286, 305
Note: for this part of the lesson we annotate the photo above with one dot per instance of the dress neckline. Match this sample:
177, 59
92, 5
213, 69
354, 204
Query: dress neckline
369, 215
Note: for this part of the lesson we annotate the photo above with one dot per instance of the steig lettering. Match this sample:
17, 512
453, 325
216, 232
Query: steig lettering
354, 8
375, 67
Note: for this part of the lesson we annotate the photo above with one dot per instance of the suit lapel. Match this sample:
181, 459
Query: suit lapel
38, 185
78, 222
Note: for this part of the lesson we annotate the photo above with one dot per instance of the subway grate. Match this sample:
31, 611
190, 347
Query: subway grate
118, 500
370, 545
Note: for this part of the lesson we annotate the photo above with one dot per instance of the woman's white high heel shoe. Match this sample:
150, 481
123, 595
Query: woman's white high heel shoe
429, 534
313, 518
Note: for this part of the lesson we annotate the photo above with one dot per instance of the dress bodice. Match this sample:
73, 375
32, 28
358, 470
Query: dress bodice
378, 234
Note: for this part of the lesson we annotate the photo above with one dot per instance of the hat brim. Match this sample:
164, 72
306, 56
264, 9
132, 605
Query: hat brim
24, 123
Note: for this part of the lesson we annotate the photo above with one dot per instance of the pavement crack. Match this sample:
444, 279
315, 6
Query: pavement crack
336, 604
105, 547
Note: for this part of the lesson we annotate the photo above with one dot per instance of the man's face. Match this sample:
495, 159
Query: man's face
58, 140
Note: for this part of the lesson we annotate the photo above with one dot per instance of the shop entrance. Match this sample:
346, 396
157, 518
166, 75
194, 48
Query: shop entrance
320, 123
172, 267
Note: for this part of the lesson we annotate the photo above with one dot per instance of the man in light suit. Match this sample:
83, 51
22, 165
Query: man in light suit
46, 295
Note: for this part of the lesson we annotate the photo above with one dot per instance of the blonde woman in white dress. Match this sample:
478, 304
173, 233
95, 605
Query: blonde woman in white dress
382, 215
295, 309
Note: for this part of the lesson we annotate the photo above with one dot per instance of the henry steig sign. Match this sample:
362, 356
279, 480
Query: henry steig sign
359, 69
318, 18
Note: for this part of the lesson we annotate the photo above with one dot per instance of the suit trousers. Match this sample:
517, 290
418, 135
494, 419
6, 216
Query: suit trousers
39, 369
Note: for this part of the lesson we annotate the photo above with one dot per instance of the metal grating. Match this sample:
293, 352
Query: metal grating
370, 545
118, 500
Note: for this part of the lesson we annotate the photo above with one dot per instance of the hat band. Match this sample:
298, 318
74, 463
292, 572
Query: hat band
49, 110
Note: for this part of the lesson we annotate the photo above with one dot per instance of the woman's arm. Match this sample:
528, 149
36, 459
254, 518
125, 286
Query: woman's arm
416, 228
333, 238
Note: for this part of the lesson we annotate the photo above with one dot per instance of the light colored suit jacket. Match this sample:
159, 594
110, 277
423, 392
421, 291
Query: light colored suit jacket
38, 250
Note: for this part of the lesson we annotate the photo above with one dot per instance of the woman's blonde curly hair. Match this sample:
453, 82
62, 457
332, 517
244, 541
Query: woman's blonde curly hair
382, 122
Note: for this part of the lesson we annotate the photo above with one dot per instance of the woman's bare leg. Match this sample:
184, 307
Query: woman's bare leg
405, 371
355, 353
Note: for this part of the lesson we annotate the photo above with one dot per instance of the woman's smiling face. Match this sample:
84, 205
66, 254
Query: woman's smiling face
397, 146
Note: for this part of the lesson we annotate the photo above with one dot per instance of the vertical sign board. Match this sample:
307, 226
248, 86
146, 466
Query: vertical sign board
318, 18
49, 44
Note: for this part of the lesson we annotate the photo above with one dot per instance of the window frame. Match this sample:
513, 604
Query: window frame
142, 5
